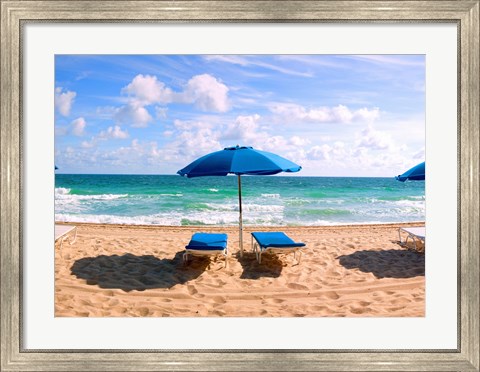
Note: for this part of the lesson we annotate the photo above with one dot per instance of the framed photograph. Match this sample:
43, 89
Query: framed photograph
103, 103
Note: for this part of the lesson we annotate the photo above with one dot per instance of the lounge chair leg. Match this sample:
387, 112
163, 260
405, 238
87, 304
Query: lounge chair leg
74, 237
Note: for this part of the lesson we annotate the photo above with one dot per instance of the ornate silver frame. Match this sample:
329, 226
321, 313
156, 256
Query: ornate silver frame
464, 13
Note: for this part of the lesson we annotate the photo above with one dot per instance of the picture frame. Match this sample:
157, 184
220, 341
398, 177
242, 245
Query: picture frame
465, 14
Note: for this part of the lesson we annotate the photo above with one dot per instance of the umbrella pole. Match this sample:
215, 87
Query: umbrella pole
240, 216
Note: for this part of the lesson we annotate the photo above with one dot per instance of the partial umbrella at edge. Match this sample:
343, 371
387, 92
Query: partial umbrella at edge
417, 173
239, 160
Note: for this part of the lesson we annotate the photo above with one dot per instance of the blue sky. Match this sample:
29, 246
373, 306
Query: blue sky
335, 115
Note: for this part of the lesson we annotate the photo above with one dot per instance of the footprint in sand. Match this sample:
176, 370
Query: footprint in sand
275, 300
320, 308
400, 301
143, 311
192, 290
86, 302
332, 295
360, 280
357, 310
396, 308
82, 313
297, 286
219, 313
219, 300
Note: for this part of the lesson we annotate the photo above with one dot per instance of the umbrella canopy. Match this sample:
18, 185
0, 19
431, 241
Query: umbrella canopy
417, 173
239, 160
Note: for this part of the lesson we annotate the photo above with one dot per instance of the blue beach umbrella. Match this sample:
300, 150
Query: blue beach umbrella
417, 173
239, 160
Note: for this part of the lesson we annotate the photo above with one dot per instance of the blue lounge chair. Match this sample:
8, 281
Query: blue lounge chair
205, 244
277, 242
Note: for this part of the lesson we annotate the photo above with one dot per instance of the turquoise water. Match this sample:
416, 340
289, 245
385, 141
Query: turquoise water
267, 200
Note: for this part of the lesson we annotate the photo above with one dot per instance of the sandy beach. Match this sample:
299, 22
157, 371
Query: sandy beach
131, 271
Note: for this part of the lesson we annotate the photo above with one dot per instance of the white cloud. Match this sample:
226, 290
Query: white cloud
289, 147
64, 101
319, 152
335, 151
298, 141
293, 113
376, 140
245, 128
133, 114
147, 90
88, 144
77, 127
372, 152
194, 144
420, 154
274, 143
114, 133
203, 91
206, 93
186, 125
189, 140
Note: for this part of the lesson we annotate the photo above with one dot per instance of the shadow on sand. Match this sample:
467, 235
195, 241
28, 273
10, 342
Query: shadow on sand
271, 266
390, 263
130, 272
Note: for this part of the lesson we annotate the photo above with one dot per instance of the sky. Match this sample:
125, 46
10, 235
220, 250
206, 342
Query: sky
335, 115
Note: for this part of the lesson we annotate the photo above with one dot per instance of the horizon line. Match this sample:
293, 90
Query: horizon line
176, 175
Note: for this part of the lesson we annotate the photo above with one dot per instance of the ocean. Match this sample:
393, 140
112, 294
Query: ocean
267, 200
